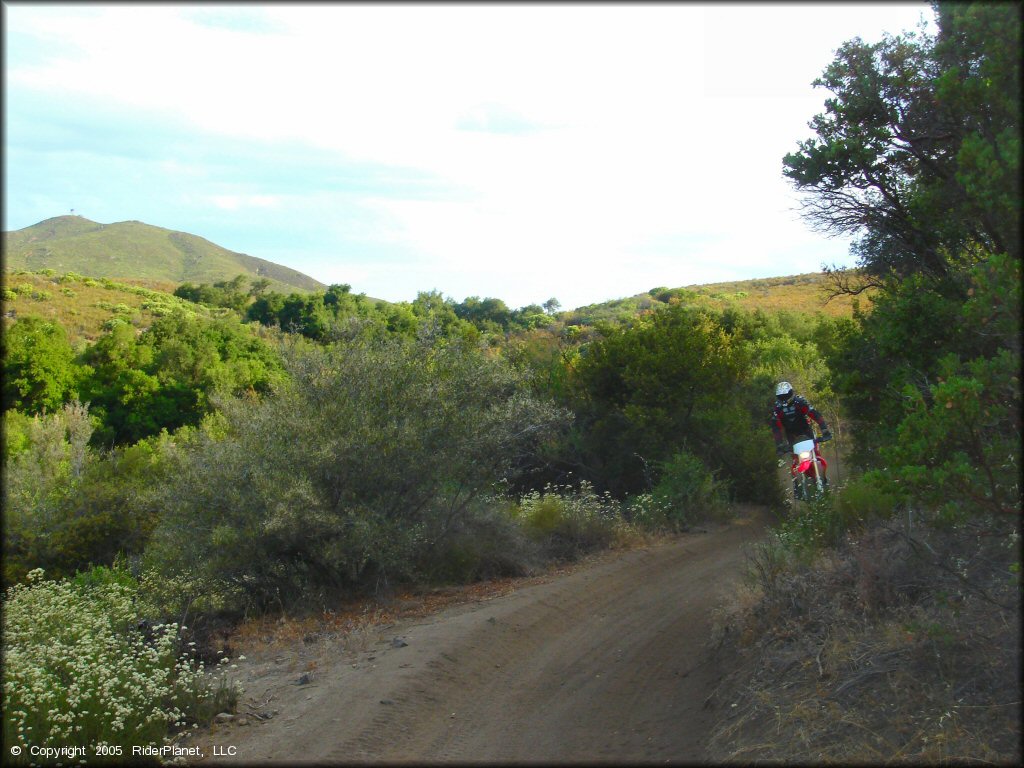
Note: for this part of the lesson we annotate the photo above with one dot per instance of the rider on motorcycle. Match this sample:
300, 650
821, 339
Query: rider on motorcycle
791, 420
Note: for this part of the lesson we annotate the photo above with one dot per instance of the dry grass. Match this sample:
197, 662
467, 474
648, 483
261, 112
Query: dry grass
807, 293
903, 646
84, 305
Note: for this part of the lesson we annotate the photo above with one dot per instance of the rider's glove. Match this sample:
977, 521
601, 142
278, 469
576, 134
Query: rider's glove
826, 435
781, 448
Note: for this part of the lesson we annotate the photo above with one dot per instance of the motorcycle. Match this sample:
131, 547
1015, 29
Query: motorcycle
808, 469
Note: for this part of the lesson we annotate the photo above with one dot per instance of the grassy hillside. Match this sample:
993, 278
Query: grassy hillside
797, 293
804, 294
131, 249
85, 305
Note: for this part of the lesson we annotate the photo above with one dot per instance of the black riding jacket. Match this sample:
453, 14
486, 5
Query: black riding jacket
790, 420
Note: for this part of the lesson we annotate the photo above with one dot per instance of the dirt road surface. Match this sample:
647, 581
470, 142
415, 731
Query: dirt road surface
611, 662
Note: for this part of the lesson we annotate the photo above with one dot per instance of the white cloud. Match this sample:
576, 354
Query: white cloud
238, 202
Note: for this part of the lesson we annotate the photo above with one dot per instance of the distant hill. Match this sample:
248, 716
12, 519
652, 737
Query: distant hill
805, 294
133, 250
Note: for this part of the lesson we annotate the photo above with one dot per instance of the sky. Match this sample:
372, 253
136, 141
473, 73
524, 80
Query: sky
522, 152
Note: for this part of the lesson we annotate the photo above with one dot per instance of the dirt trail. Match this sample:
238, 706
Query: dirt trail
608, 663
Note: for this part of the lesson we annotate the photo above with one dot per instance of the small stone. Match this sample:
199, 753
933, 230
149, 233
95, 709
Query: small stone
304, 679
243, 721
388, 702
398, 642
224, 717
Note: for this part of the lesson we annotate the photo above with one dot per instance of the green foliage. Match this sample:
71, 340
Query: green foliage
39, 369
863, 500
359, 469
812, 526
688, 490
487, 543
67, 506
77, 671
163, 378
919, 150
569, 521
225, 293
673, 379
918, 351
961, 444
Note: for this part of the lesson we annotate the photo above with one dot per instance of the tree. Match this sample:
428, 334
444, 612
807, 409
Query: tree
667, 382
163, 378
39, 368
918, 152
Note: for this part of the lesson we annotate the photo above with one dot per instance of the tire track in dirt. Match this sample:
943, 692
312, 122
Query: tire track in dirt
609, 663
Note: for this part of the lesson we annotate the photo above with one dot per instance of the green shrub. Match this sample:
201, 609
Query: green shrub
688, 491
358, 469
77, 670
67, 506
113, 322
861, 500
489, 544
569, 521
9, 294
814, 525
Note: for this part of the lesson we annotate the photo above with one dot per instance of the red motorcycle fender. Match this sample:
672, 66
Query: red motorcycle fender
800, 467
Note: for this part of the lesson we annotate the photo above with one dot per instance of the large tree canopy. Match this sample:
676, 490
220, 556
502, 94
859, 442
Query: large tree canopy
918, 151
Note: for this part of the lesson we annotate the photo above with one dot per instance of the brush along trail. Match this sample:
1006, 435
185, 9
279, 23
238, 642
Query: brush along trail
610, 662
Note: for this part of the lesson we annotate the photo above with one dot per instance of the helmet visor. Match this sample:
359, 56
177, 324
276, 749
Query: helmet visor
784, 397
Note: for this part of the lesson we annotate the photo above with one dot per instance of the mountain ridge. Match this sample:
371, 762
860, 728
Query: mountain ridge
134, 249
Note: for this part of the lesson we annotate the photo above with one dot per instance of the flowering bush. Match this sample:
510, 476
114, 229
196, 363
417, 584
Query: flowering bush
77, 670
569, 520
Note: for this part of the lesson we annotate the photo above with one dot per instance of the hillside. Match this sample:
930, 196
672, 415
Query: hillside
805, 294
86, 306
132, 249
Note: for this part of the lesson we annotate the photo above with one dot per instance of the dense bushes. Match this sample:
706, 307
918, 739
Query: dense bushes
371, 457
164, 377
674, 380
67, 506
39, 368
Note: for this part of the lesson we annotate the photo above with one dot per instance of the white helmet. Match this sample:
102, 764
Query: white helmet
784, 390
